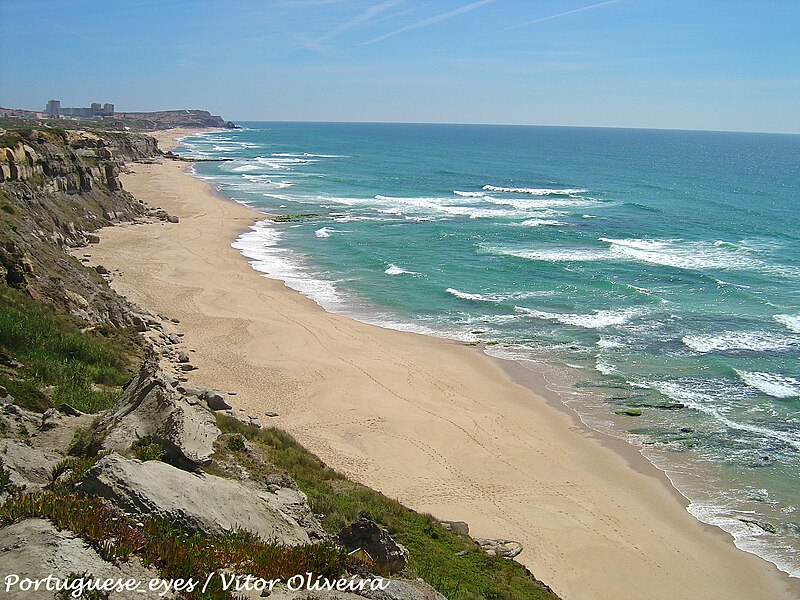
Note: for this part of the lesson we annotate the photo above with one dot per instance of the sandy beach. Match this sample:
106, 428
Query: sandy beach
437, 425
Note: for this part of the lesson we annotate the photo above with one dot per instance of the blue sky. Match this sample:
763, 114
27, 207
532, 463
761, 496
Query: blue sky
689, 64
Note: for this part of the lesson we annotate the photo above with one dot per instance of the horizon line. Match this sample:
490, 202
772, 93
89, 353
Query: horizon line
644, 128
487, 124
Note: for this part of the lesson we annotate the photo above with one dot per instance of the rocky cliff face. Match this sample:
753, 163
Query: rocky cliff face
71, 160
56, 186
177, 118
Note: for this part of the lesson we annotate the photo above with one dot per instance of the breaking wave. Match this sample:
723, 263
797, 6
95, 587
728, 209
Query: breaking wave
791, 322
754, 341
260, 246
695, 395
554, 255
535, 191
543, 222
777, 386
497, 298
395, 270
680, 254
598, 319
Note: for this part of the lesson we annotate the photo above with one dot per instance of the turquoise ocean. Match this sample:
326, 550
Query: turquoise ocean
659, 269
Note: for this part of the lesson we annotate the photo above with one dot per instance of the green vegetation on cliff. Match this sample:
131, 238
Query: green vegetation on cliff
450, 562
174, 552
47, 359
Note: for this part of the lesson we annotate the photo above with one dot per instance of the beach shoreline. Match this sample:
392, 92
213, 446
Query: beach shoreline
473, 444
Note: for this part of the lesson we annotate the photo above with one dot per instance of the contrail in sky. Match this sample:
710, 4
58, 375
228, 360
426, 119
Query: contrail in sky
430, 20
563, 14
365, 16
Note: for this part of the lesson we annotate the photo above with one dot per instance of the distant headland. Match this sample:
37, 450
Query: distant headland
106, 115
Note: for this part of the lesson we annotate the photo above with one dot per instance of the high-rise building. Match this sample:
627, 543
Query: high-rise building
96, 109
53, 108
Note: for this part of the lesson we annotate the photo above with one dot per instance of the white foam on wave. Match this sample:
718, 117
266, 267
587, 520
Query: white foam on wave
247, 168
609, 343
305, 155
279, 163
599, 319
640, 290
671, 253
680, 254
260, 246
467, 296
535, 191
722, 283
605, 368
395, 270
356, 218
388, 322
469, 194
324, 232
535, 204
437, 208
726, 514
433, 206
265, 180
496, 298
543, 222
755, 341
694, 395
553, 255
791, 322
777, 386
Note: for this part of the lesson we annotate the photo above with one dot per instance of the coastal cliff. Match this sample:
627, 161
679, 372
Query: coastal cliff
176, 118
111, 466
56, 187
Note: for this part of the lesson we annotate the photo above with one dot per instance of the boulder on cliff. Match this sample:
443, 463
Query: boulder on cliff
403, 589
150, 406
459, 527
28, 467
198, 502
387, 555
504, 548
396, 589
34, 548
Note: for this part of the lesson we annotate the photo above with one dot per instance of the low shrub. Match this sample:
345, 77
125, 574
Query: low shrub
174, 552
146, 449
76, 467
